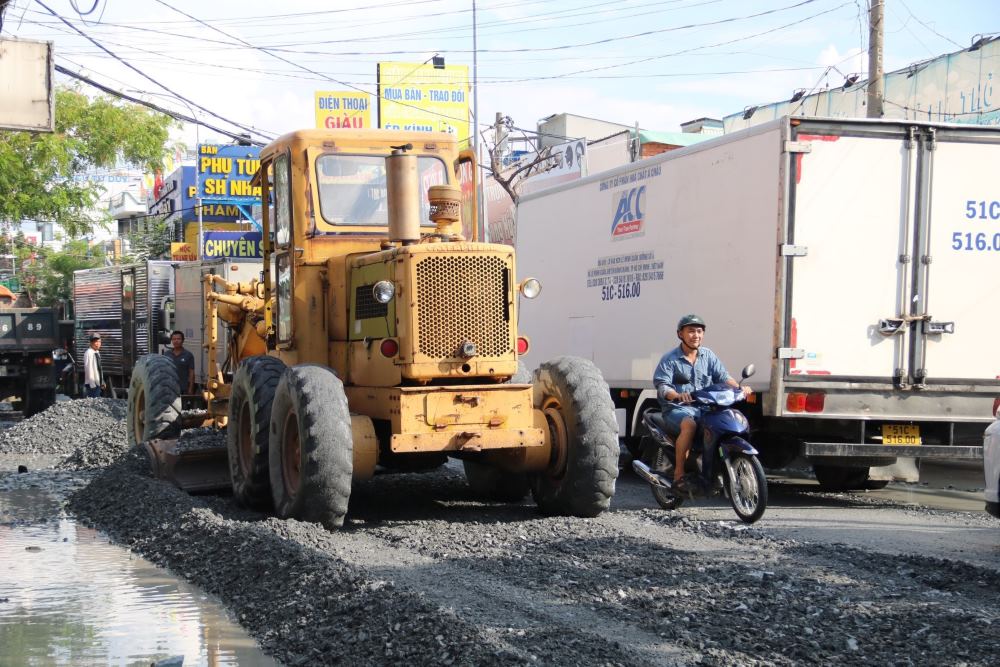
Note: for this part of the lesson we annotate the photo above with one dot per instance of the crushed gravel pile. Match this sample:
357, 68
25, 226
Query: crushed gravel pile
100, 451
284, 583
426, 574
200, 438
64, 427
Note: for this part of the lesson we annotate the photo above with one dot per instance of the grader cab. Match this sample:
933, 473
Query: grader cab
383, 337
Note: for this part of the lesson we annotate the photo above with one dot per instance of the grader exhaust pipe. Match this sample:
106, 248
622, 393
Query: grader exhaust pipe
403, 192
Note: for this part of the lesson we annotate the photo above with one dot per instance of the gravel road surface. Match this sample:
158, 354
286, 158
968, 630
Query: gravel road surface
424, 573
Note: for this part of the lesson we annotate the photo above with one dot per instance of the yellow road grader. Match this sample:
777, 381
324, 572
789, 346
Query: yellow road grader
380, 336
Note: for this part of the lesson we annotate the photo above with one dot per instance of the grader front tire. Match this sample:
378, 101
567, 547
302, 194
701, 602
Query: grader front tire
310, 449
576, 402
154, 400
248, 434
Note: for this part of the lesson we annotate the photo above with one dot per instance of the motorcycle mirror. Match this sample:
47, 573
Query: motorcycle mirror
748, 370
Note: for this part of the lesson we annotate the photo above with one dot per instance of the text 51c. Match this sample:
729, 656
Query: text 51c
620, 291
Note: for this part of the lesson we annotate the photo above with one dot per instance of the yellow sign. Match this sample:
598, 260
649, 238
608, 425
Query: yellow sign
343, 109
182, 252
420, 97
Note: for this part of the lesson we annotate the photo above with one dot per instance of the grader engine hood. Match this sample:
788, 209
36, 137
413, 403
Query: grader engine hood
451, 312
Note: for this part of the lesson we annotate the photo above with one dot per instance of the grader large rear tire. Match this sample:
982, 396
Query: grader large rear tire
311, 448
576, 402
154, 400
247, 437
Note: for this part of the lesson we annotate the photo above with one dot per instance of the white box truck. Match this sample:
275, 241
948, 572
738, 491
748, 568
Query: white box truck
855, 263
189, 308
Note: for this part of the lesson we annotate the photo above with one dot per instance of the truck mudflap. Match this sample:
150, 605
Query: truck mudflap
874, 451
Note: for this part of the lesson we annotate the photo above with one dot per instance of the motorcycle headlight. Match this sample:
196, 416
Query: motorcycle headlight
742, 420
383, 291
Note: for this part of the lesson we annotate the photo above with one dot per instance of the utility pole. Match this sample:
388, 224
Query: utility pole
500, 136
876, 36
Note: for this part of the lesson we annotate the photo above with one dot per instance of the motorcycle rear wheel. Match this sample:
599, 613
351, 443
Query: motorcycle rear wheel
747, 488
664, 498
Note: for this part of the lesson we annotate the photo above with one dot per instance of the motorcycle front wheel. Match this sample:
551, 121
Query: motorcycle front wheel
664, 498
747, 487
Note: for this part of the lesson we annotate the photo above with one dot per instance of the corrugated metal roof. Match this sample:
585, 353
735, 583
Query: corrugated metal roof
672, 138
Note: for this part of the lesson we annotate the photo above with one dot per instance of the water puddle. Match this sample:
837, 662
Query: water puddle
69, 597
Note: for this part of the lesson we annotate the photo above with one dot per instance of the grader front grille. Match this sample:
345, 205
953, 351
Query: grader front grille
461, 299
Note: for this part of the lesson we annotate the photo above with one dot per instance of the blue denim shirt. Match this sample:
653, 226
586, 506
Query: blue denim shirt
707, 370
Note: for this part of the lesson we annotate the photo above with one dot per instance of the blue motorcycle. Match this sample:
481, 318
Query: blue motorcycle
721, 451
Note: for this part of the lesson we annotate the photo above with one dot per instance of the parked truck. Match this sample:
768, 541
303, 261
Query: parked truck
187, 309
855, 263
125, 305
28, 337
385, 340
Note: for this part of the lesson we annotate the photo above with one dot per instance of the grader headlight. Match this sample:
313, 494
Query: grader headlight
530, 288
383, 291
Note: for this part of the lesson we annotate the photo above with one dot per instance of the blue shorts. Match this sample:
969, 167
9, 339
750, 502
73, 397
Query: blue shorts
676, 415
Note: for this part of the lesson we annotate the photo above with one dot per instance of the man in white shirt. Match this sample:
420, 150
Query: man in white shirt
93, 378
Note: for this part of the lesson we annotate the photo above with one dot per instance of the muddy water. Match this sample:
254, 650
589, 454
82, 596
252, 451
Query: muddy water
69, 597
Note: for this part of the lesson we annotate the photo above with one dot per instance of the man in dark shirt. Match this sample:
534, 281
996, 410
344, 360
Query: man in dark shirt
183, 361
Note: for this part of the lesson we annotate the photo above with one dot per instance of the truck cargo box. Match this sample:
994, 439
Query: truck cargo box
855, 263
124, 305
189, 305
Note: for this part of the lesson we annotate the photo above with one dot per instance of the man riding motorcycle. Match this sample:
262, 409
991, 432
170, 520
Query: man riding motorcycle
682, 370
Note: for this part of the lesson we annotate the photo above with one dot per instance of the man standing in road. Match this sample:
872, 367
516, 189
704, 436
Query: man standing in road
183, 362
687, 368
93, 377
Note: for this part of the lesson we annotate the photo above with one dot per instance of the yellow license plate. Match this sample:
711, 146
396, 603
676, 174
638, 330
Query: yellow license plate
900, 434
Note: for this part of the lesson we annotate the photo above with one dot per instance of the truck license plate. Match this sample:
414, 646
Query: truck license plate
900, 434
3, 371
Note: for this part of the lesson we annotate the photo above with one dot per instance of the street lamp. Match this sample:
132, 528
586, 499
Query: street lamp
197, 166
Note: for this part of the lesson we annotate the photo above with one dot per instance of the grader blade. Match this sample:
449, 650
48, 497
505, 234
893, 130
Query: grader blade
193, 470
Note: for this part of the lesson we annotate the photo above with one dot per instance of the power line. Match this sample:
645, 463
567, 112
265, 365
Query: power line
302, 67
688, 50
146, 76
150, 105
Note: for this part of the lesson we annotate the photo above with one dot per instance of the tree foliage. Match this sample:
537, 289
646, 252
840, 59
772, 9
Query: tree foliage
151, 241
37, 169
47, 275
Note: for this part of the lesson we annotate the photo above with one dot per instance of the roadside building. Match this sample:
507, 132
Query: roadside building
955, 88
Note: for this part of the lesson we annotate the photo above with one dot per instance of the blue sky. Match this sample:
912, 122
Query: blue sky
655, 62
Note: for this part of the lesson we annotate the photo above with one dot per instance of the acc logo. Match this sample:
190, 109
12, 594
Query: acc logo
629, 214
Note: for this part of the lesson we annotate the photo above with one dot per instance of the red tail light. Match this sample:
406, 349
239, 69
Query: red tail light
389, 347
996, 402
795, 402
43, 361
815, 402
522, 345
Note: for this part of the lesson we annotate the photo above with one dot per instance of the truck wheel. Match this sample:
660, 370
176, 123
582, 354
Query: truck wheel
576, 402
40, 400
249, 424
491, 483
154, 400
311, 450
840, 478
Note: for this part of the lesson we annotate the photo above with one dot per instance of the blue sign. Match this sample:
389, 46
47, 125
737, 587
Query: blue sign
224, 173
234, 245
